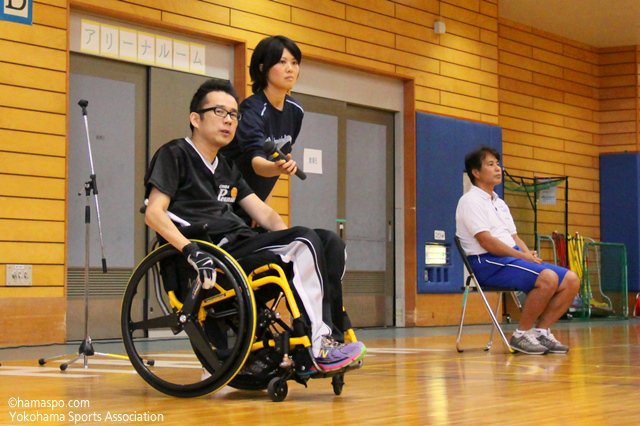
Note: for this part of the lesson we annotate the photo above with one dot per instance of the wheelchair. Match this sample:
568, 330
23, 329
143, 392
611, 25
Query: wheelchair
236, 330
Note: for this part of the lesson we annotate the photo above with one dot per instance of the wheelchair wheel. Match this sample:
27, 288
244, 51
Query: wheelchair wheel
261, 365
337, 382
258, 371
278, 389
183, 339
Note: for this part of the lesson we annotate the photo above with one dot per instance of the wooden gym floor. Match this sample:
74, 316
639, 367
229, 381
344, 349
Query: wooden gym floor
411, 376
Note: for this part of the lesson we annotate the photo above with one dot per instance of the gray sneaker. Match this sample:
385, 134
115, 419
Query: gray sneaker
551, 343
527, 344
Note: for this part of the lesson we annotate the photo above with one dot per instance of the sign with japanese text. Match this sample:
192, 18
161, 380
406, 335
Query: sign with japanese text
142, 47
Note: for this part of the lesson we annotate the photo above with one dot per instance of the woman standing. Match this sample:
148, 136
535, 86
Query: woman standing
270, 114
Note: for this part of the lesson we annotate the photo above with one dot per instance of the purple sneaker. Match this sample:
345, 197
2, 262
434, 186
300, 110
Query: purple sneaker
334, 355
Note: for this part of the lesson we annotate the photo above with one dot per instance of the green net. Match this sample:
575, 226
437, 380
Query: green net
527, 184
604, 281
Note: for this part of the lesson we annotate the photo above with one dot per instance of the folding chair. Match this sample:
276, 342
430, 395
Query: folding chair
475, 287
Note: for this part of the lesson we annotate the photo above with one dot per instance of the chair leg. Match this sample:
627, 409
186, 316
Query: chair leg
464, 308
514, 296
494, 319
493, 327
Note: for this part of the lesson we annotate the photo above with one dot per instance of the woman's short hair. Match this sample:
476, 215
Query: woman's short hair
268, 53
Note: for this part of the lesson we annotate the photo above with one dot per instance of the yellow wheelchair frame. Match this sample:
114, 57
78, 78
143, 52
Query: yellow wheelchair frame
238, 344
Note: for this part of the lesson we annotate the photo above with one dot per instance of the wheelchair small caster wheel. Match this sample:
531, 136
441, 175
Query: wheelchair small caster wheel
151, 362
337, 382
41, 361
63, 367
278, 389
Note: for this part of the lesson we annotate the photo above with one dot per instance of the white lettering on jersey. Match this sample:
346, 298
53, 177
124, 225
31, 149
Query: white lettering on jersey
226, 194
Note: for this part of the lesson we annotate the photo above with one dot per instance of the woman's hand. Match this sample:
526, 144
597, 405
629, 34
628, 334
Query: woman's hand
286, 167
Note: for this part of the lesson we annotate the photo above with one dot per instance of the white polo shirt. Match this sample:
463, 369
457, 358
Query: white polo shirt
477, 212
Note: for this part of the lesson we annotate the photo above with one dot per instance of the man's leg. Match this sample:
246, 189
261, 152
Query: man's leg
539, 281
302, 248
556, 307
524, 339
538, 298
560, 301
335, 256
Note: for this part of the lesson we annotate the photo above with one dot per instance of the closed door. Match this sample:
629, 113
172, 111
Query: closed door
353, 195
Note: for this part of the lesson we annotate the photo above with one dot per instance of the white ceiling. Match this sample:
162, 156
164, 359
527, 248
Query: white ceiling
598, 23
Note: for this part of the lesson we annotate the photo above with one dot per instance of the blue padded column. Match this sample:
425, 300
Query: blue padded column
620, 207
441, 145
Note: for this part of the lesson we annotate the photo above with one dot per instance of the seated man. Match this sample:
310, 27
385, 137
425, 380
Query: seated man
500, 258
188, 178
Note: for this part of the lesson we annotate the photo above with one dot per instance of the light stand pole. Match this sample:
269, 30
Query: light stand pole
86, 347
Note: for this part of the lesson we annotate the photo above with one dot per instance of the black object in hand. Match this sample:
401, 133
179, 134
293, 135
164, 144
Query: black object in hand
272, 150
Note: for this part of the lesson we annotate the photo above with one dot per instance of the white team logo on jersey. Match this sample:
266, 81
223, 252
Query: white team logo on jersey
282, 142
226, 194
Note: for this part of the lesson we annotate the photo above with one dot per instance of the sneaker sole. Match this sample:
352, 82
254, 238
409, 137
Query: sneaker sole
558, 352
529, 353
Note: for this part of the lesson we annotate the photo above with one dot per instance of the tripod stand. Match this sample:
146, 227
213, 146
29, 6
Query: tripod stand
86, 347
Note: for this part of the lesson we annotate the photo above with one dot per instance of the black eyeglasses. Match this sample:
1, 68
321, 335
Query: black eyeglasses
221, 112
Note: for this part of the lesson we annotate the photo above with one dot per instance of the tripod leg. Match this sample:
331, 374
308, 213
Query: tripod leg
67, 364
43, 361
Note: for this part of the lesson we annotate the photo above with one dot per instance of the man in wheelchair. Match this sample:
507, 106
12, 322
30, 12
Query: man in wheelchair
189, 183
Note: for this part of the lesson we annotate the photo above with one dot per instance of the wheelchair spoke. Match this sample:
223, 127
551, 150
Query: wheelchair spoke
168, 321
199, 340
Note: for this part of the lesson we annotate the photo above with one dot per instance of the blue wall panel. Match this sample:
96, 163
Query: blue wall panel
441, 145
620, 207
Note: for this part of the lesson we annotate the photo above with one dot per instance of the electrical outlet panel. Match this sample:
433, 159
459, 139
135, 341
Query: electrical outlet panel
18, 275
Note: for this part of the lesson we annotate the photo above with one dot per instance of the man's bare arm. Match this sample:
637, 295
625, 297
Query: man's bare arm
498, 248
264, 215
156, 217
524, 247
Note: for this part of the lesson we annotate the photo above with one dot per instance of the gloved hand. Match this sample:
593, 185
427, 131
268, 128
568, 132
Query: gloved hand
202, 263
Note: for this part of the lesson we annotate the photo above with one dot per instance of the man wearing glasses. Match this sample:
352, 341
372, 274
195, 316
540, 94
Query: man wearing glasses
189, 183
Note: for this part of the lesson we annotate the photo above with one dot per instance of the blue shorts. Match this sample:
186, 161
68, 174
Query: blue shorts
498, 271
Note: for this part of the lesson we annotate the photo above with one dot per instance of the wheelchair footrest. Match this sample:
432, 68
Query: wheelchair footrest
322, 374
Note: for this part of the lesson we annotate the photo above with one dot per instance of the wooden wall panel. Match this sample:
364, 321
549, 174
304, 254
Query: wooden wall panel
423, 18
43, 253
550, 111
340, 27
618, 94
31, 231
37, 35
326, 7
29, 326
25, 76
257, 7
33, 129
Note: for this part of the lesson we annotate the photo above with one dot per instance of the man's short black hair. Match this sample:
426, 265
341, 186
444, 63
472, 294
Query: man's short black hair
473, 160
268, 53
211, 85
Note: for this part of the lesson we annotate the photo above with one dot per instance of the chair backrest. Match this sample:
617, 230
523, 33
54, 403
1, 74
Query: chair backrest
463, 255
465, 260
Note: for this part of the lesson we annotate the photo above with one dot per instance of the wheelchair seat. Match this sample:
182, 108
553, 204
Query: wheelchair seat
235, 330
